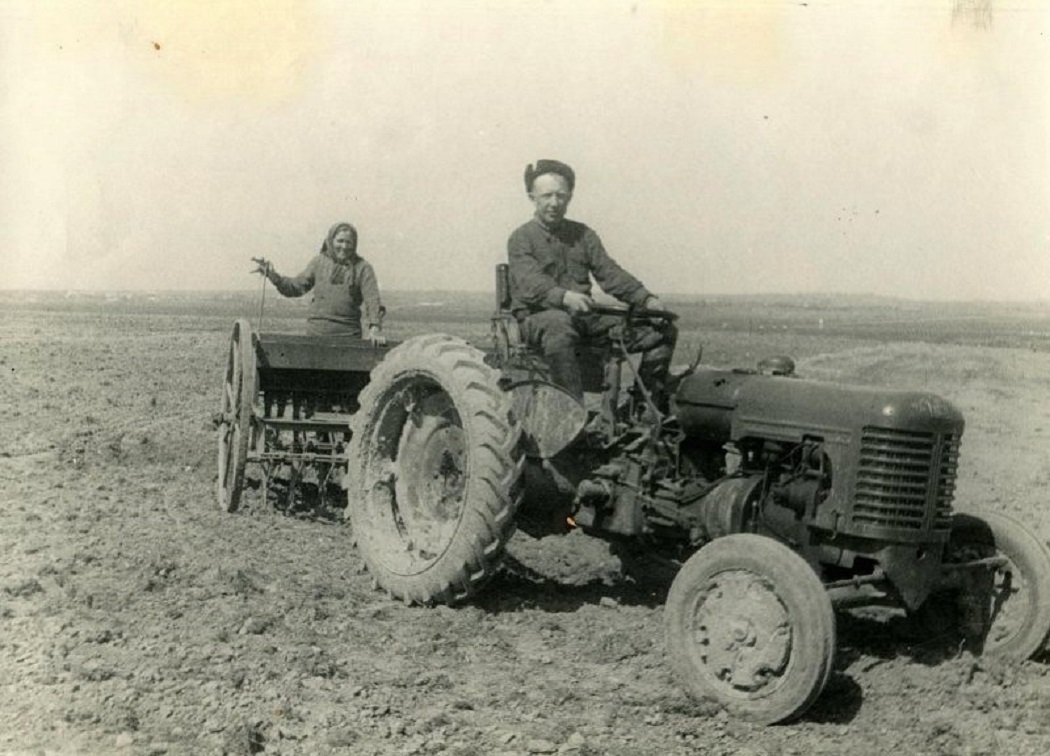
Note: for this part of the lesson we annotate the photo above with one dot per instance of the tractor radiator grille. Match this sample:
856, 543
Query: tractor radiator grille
898, 471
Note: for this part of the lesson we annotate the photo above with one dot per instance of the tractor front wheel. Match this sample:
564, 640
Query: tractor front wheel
750, 627
1002, 610
434, 471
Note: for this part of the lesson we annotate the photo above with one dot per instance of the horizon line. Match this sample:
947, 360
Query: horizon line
65, 291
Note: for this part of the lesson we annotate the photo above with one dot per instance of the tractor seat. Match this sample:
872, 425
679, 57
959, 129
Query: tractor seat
511, 348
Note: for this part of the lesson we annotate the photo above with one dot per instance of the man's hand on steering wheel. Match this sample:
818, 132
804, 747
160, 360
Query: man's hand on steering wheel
654, 303
576, 302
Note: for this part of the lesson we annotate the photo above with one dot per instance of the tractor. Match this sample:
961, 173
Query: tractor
766, 501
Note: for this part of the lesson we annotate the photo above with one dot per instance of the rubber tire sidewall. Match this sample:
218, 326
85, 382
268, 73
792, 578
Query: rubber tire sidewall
810, 613
1031, 557
494, 494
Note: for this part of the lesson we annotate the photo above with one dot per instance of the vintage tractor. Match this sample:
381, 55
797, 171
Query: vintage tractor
286, 405
768, 499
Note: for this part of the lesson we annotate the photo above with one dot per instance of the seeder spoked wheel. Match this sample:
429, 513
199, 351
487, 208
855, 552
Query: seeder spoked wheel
235, 421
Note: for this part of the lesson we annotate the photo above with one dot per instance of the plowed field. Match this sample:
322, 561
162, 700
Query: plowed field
137, 618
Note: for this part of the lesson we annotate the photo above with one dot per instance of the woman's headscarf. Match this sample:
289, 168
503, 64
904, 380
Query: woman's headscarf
328, 249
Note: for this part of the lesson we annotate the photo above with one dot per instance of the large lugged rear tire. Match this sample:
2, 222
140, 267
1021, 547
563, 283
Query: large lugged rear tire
750, 627
434, 471
1003, 612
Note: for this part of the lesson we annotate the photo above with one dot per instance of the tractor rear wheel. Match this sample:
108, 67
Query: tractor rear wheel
236, 422
1002, 611
750, 627
434, 471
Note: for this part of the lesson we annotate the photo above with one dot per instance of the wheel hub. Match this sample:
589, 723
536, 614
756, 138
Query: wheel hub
442, 475
422, 492
743, 631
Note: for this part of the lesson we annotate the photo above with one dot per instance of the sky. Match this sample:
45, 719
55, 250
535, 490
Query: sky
884, 147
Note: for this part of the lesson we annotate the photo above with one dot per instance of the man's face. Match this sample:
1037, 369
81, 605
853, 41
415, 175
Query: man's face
343, 243
551, 196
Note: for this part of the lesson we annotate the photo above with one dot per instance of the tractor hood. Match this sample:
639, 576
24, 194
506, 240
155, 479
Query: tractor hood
724, 405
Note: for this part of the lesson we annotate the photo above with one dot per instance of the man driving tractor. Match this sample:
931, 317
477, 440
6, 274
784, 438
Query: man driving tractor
551, 261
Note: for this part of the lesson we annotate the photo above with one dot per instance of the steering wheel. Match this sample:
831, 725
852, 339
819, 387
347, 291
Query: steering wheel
633, 313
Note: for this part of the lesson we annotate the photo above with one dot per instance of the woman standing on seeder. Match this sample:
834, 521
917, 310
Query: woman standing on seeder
343, 284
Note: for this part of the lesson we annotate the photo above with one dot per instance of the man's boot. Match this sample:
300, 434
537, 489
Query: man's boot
565, 371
